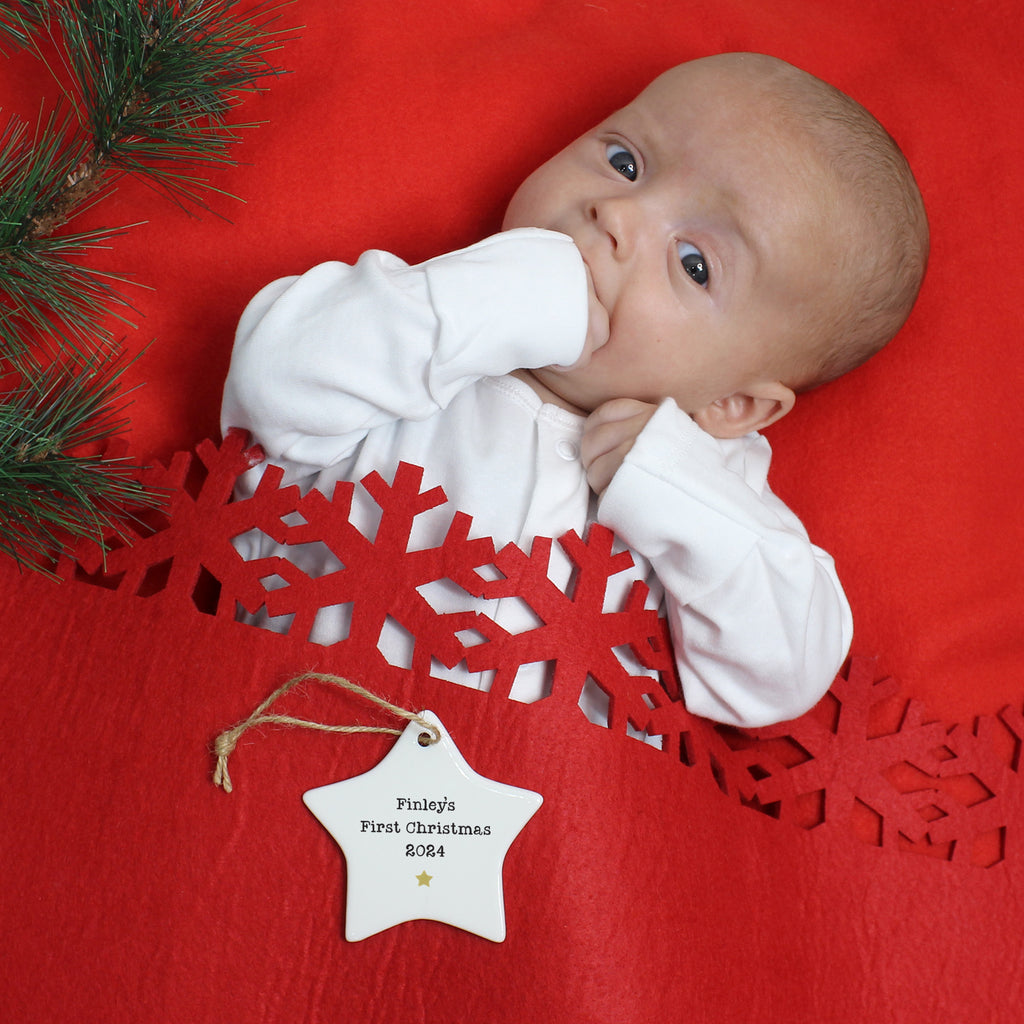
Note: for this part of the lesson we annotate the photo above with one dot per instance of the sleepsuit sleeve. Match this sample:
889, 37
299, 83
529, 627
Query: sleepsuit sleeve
323, 358
759, 621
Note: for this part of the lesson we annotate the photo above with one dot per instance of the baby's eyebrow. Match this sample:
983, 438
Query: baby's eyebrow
746, 239
735, 226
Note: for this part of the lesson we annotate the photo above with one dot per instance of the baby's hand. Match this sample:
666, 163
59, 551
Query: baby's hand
608, 436
597, 326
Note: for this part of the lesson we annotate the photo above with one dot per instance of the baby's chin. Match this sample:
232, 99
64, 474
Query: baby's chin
575, 388
583, 389
553, 385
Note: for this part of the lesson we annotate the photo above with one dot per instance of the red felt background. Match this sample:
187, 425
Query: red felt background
133, 889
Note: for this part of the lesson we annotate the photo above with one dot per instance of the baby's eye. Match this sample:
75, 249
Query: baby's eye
622, 160
694, 263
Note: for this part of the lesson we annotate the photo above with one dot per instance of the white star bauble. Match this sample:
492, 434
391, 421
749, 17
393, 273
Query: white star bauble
424, 837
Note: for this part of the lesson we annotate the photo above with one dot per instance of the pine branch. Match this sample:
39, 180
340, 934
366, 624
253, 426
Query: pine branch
153, 84
51, 488
158, 80
44, 293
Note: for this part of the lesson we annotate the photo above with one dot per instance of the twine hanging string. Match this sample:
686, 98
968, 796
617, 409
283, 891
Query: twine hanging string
225, 743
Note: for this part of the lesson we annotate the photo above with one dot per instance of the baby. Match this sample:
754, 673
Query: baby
661, 291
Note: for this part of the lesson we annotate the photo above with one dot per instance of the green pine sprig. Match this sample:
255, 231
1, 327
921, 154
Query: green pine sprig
46, 292
158, 80
53, 488
152, 84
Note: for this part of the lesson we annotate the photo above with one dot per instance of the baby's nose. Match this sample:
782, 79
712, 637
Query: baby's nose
615, 217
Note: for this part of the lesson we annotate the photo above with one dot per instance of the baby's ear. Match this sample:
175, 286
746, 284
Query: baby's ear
746, 411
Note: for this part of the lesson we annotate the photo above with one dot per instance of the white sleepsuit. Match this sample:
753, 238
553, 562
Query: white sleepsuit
348, 369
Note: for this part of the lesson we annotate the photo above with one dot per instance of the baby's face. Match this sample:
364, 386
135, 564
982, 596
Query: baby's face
702, 220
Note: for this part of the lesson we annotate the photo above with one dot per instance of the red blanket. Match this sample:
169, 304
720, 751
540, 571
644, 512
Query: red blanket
858, 865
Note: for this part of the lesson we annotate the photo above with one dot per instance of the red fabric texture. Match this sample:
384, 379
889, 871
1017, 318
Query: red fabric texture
644, 889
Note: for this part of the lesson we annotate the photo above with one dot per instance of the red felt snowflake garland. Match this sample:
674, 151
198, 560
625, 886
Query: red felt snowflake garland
866, 760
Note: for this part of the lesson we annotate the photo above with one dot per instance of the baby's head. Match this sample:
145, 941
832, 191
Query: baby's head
750, 231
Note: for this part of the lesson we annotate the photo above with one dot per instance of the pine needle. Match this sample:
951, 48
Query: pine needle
18, 20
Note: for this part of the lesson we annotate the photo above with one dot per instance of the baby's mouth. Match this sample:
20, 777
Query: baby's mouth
592, 275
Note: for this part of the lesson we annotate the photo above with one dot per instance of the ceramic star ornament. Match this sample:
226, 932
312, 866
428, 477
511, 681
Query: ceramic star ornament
424, 837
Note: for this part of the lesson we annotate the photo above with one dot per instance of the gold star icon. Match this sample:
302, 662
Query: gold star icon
424, 878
